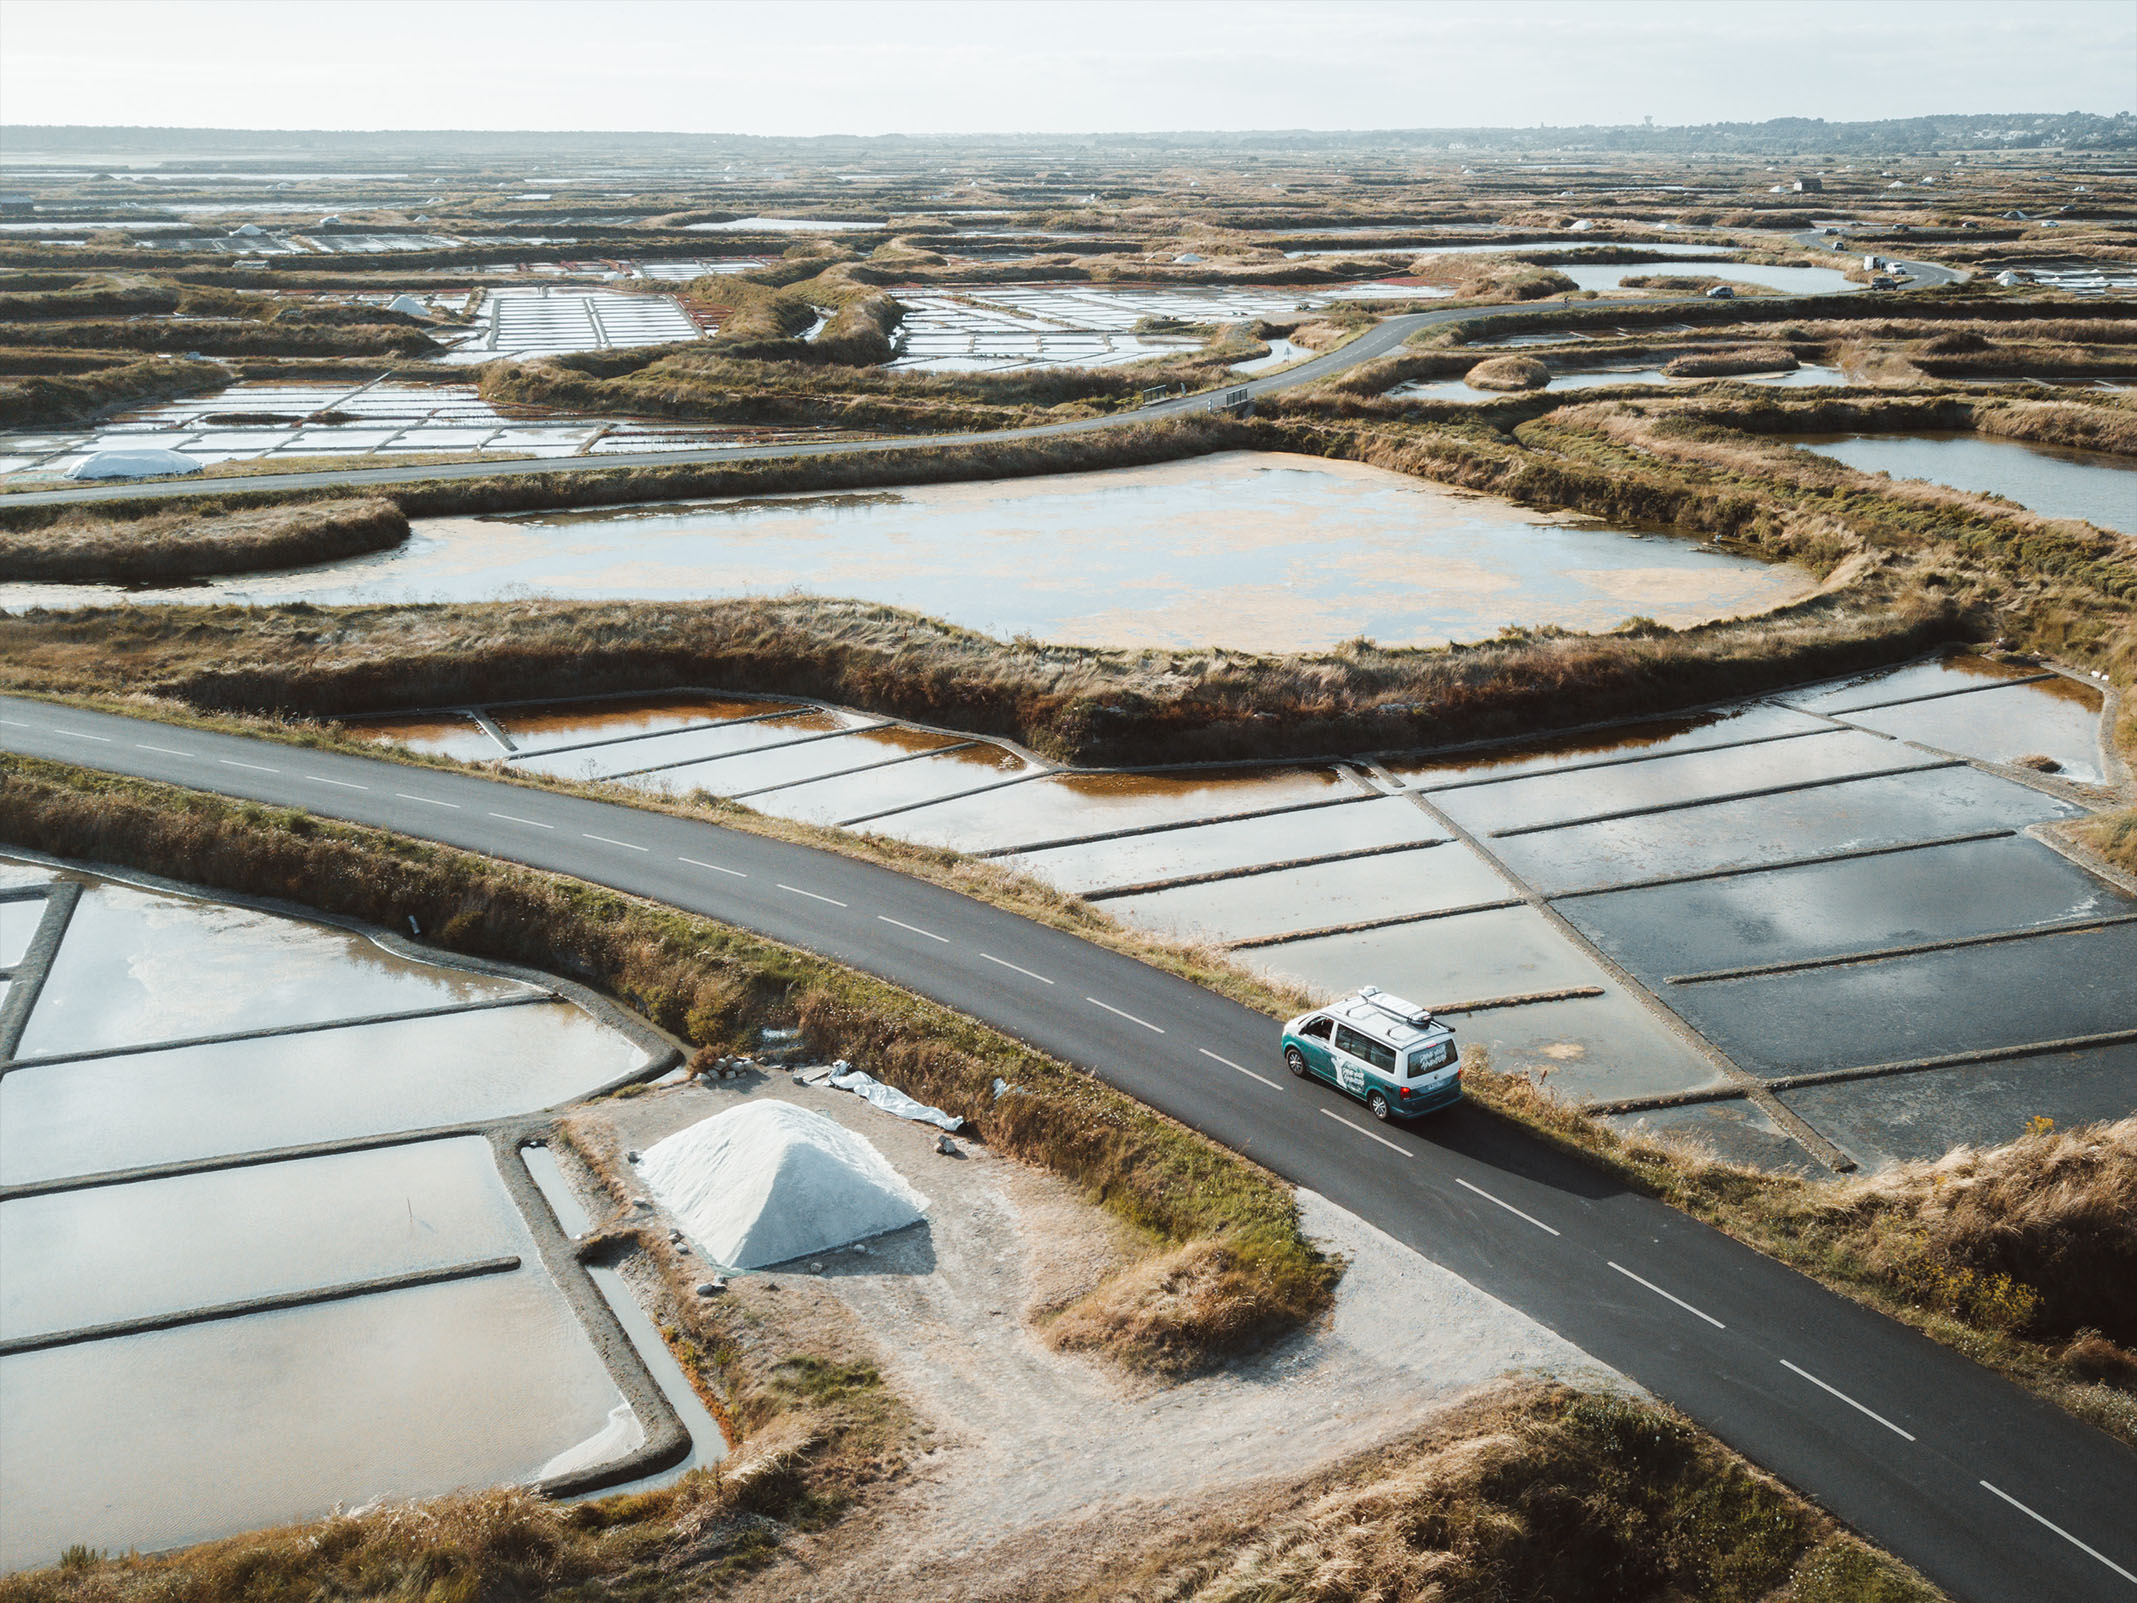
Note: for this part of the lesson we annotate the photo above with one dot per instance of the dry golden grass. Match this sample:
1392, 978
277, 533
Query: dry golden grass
1508, 373
1736, 359
1530, 1492
100, 546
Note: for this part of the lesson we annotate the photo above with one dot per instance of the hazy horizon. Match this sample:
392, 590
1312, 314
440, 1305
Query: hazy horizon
1048, 67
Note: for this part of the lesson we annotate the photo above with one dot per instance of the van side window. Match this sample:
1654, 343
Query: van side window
1358, 1046
1318, 1028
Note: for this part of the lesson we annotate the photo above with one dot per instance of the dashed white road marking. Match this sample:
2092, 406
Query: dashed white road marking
914, 928
16, 723
427, 800
2065, 1535
258, 768
1368, 1134
76, 734
345, 784
1130, 1017
604, 840
531, 823
798, 891
1249, 1073
1027, 973
1844, 1397
1666, 1296
168, 751
715, 867
1508, 1206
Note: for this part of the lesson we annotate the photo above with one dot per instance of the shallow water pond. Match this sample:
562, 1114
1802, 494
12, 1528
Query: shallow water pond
1455, 389
139, 966
108, 1253
1265, 551
1787, 280
257, 1095
2057, 483
1078, 806
156, 1440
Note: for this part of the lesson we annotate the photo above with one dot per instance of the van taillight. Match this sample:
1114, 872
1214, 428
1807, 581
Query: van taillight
1405, 1090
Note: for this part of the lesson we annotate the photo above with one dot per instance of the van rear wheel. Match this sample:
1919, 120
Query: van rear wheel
1377, 1106
1295, 1061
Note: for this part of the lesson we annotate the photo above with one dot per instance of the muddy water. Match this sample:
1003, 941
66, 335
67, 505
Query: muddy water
2058, 483
137, 966
1537, 799
819, 759
1265, 551
1787, 280
1075, 807
1697, 732
92, 1257
248, 1096
1962, 672
862, 796
685, 745
1459, 389
568, 723
460, 738
156, 1440
1212, 848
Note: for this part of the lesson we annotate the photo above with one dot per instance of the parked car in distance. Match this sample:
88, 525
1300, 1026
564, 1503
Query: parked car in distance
1392, 1055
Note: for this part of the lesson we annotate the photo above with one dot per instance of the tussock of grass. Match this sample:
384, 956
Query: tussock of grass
2114, 837
1741, 359
1532, 1492
101, 545
1509, 373
717, 986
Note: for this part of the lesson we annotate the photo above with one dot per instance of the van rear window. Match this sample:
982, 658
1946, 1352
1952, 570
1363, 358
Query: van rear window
1426, 1058
1379, 1055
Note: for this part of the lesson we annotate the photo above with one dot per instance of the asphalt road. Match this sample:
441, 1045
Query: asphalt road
1376, 342
1995, 1495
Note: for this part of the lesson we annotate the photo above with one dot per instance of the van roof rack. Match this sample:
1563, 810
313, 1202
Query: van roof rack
1395, 1007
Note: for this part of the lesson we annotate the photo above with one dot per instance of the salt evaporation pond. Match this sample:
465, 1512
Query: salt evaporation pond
1263, 551
2058, 483
1784, 280
1455, 389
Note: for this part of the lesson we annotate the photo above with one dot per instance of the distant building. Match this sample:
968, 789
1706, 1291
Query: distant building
1809, 186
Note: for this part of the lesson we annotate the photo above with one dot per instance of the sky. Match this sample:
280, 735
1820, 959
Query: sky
1049, 66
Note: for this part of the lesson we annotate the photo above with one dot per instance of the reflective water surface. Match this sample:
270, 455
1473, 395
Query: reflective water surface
156, 1440
1265, 551
2059, 483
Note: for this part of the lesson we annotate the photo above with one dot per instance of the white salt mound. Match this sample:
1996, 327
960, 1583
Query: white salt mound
768, 1181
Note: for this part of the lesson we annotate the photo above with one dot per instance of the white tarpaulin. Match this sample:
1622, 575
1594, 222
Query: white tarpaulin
892, 1100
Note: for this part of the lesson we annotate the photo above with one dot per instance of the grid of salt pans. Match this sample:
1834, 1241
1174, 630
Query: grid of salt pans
1006, 326
545, 320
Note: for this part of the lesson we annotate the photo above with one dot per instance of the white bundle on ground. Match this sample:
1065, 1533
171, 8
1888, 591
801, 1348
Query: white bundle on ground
892, 1100
768, 1181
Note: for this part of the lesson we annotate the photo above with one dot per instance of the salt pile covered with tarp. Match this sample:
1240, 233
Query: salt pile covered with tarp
768, 1181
